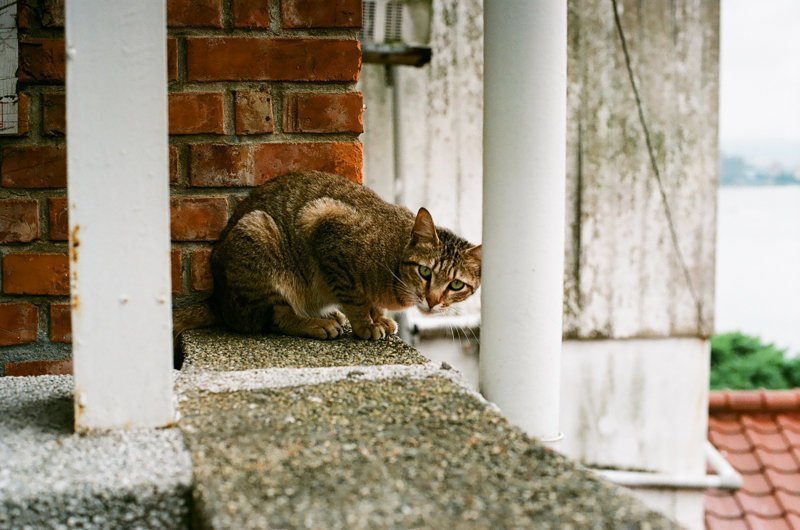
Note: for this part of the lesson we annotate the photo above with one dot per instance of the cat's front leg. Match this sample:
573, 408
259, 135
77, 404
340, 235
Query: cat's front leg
364, 327
379, 317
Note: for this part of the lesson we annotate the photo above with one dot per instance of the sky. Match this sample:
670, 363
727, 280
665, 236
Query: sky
760, 80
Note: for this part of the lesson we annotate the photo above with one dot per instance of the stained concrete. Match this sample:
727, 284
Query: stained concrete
52, 478
334, 446
394, 453
216, 350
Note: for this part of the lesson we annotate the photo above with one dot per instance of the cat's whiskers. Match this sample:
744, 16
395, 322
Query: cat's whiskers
474, 337
452, 334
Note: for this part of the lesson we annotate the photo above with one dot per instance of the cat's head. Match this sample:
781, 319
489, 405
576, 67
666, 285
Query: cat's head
438, 268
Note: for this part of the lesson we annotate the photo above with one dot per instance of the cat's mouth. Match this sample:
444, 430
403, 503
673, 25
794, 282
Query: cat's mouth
426, 310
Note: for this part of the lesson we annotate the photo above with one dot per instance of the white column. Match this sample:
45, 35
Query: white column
119, 213
525, 70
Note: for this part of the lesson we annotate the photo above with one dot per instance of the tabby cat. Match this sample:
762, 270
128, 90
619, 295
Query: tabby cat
306, 252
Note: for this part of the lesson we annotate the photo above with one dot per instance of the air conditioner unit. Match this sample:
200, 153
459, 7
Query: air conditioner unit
396, 32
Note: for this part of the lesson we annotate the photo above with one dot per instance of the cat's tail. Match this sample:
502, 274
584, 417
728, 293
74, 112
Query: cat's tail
195, 316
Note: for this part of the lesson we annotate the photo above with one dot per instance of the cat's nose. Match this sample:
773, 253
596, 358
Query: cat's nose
432, 301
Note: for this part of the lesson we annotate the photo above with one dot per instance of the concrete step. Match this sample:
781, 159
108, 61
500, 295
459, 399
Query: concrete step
292, 433
52, 478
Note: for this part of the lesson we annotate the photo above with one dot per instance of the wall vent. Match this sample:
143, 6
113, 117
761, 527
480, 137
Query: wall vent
396, 32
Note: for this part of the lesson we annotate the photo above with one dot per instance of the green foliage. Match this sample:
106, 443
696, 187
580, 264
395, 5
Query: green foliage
743, 362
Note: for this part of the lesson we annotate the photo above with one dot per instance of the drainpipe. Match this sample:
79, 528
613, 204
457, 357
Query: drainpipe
524, 138
726, 477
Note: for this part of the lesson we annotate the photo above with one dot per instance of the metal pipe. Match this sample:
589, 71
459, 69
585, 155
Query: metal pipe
525, 70
726, 478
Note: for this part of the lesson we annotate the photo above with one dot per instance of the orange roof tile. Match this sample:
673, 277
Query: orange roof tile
766, 523
716, 523
774, 442
778, 461
758, 432
763, 423
757, 484
790, 421
723, 505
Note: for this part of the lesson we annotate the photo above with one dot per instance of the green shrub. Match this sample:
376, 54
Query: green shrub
743, 362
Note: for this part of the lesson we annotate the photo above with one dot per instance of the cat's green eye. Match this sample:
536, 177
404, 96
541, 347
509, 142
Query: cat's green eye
425, 272
456, 285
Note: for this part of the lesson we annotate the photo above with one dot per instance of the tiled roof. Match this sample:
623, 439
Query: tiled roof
758, 432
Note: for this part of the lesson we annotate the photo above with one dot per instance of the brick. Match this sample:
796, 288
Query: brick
221, 165
217, 165
35, 368
253, 14
41, 61
172, 59
59, 220
174, 164
257, 58
196, 113
194, 13
201, 270
25, 12
60, 323
254, 113
54, 114
321, 13
19, 323
197, 218
342, 158
53, 13
34, 273
19, 220
176, 268
23, 113
323, 113
34, 167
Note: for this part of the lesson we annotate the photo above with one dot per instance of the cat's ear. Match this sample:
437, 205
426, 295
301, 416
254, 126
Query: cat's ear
424, 230
474, 253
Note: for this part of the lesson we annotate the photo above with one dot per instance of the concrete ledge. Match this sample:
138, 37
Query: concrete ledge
51, 478
215, 350
369, 446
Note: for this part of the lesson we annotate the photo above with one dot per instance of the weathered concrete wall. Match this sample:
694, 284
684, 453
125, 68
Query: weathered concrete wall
636, 404
625, 277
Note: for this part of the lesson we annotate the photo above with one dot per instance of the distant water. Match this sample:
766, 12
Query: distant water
758, 263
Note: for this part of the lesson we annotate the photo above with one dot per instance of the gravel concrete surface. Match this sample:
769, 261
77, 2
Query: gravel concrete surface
52, 478
393, 453
215, 349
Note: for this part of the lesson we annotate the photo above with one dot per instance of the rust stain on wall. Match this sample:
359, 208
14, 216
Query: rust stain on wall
74, 245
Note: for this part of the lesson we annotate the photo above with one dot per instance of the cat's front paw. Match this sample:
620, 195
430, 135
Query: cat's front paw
369, 331
388, 324
338, 316
376, 330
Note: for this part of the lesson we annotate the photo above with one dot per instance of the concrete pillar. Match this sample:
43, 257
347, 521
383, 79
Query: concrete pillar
118, 195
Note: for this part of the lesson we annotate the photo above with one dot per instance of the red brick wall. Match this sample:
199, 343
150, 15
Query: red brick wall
257, 88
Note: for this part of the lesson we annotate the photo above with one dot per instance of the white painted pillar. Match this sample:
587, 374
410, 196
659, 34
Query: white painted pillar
119, 213
525, 106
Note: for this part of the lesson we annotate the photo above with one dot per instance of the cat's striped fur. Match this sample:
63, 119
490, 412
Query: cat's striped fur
307, 251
